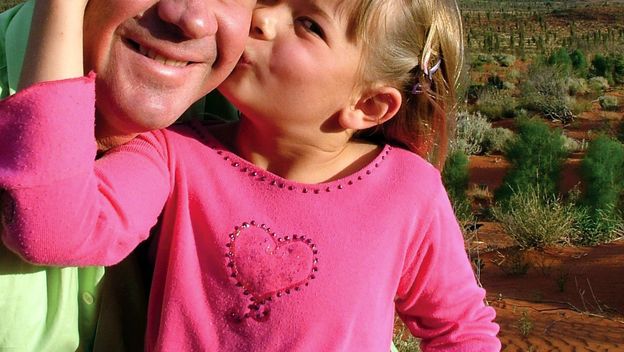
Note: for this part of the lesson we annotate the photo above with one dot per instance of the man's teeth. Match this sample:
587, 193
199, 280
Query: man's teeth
161, 59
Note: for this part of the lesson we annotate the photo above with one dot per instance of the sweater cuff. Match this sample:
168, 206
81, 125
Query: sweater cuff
47, 132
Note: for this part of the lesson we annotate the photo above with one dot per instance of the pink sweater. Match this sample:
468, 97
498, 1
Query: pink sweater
245, 260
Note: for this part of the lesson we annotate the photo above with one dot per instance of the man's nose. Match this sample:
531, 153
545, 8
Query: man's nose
195, 18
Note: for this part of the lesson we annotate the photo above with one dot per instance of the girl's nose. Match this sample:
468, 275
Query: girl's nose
195, 18
264, 23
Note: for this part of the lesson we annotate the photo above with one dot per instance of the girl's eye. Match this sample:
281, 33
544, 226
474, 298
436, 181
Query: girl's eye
311, 26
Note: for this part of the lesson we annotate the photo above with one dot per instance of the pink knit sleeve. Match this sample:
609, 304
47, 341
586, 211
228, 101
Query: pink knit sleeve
438, 296
59, 207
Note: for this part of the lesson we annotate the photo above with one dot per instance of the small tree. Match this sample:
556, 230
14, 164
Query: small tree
536, 155
579, 63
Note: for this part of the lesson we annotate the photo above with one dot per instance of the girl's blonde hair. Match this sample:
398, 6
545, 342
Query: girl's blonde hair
402, 39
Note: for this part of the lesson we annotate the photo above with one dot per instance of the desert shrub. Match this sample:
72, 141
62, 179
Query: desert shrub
497, 104
455, 178
576, 86
579, 106
597, 226
472, 93
505, 60
602, 170
579, 63
620, 132
455, 175
496, 139
618, 69
470, 132
609, 103
514, 74
494, 81
600, 65
535, 219
544, 91
598, 84
571, 144
536, 155
561, 59
482, 59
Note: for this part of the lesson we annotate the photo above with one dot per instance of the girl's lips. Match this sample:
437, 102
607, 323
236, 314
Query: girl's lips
245, 60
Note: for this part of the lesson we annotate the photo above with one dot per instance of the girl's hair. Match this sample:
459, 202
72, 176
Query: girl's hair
402, 39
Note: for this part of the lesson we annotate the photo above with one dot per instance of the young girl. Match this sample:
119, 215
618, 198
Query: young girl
291, 230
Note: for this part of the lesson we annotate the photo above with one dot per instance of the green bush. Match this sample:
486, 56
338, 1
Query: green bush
470, 132
544, 91
576, 86
597, 226
602, 170
561, 58
618, 69
455, 178
497, 104
505, 60
496, 139
609, 103
598, 84
455, 175
620, 132
600, 65
536, 155
579, 63
535, 219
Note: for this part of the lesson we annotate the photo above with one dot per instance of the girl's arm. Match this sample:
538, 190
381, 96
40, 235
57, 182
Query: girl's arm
438, 297
57, 205
54, 49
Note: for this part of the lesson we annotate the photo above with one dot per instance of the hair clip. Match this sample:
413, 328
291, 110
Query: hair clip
428, 73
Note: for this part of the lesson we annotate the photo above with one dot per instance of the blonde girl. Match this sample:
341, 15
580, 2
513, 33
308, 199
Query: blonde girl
305, 226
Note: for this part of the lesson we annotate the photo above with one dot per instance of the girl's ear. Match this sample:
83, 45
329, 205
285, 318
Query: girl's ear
372, 108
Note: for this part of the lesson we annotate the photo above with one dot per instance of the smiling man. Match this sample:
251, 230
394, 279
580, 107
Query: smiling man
153, 59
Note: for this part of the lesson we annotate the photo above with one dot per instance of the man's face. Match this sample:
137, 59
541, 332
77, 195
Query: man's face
155, 58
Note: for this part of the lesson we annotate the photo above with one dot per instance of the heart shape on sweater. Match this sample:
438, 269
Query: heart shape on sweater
264, 264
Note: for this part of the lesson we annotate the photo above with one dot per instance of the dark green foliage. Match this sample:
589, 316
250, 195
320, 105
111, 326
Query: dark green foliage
620, 132
495, 82
455, 175
600, 65
455, 178
536, 156
618, 68
561, 58
602, 170
579, 63
6, 4
599, 216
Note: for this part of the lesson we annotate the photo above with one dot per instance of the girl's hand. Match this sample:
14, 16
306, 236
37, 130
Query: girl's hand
55, 44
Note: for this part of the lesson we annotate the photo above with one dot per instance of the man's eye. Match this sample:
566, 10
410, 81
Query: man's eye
311, 26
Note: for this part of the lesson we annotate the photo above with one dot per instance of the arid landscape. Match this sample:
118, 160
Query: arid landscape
560, 297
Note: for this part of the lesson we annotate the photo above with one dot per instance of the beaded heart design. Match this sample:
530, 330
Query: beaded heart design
266, 266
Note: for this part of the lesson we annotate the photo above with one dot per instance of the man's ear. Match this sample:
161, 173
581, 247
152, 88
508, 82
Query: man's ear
372, 108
